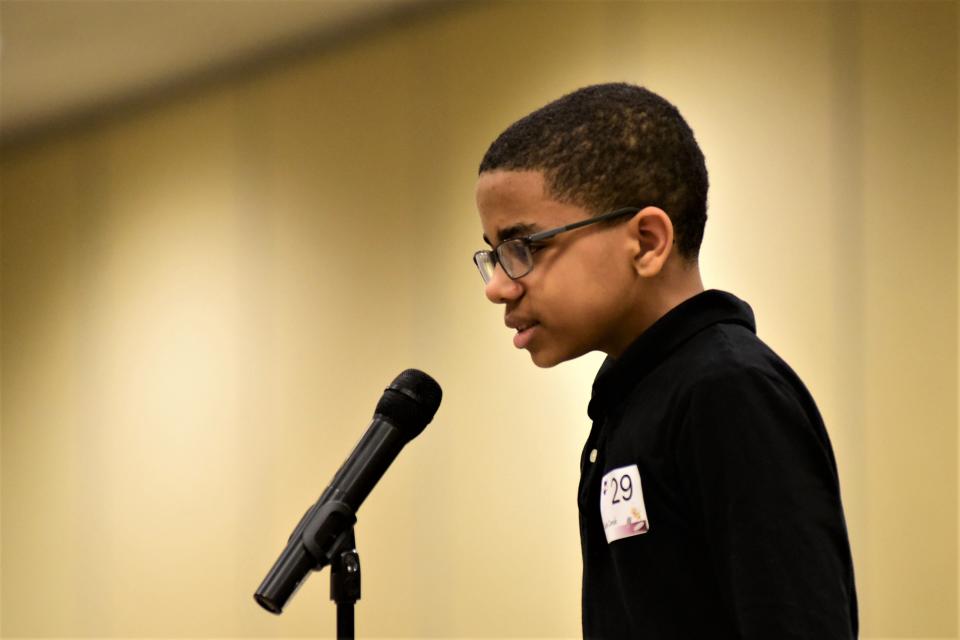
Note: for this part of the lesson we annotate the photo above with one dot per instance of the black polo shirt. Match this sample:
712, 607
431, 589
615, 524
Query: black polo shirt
744, 533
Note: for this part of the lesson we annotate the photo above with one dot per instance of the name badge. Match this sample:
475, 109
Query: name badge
621, 504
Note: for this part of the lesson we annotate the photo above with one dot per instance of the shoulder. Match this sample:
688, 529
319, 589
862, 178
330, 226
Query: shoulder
745, 400
731, 359
734, 385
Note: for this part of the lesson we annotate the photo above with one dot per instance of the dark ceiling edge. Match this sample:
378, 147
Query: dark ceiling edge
248, 66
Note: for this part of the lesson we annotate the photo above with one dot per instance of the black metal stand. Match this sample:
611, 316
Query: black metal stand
345, 584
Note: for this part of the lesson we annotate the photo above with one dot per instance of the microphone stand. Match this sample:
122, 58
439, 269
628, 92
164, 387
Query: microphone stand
345, 583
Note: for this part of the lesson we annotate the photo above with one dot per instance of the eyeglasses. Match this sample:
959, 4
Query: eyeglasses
516, 254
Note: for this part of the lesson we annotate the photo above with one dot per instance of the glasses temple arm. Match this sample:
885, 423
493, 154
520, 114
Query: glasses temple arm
546, 235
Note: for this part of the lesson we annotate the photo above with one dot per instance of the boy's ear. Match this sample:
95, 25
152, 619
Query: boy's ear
651, 240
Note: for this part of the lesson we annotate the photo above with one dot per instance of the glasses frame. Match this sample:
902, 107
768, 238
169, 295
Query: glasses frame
535, 238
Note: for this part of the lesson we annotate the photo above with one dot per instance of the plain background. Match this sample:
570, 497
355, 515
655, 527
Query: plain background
204, 297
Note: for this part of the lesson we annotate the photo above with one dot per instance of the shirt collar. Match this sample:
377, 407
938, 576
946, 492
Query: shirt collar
618, 375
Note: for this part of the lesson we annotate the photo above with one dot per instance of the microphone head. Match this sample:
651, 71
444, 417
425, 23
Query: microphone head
410, 402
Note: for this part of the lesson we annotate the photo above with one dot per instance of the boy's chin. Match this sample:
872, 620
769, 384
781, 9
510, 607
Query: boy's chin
545, 364
545, 359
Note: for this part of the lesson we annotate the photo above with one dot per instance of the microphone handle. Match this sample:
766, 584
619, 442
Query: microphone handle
366, 464
353, 481
285, 577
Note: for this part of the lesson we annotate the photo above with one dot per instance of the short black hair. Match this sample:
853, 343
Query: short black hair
613, 145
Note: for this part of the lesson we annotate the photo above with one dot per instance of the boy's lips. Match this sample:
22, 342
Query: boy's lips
525, 330
524, 336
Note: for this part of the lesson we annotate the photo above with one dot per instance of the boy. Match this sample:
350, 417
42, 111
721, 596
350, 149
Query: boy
709, 498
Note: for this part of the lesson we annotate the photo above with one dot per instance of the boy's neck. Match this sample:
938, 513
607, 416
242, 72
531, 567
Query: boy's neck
677, 284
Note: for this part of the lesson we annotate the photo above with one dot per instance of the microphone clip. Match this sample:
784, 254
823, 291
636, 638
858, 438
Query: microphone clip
329, 532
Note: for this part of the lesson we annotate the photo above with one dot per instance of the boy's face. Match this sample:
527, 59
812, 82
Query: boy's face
580, 295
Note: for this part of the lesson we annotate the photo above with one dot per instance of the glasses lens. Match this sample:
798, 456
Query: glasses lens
515, 257
485, 264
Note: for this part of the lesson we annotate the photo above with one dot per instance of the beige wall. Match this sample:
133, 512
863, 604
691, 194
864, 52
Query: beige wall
202, 301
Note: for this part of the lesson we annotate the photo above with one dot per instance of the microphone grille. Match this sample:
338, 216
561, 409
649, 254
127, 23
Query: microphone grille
410, 402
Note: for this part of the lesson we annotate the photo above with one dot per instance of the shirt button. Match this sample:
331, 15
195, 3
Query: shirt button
593, 456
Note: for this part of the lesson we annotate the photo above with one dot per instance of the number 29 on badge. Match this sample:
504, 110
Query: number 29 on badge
621, 504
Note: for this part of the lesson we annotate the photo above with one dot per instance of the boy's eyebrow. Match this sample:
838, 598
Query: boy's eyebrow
514, 230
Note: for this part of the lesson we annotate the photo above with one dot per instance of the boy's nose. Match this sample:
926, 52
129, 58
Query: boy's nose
502, 288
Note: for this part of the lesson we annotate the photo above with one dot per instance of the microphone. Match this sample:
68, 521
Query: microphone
406, 407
